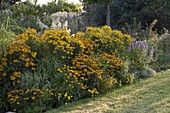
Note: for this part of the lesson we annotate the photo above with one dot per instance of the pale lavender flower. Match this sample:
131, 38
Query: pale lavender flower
139, 45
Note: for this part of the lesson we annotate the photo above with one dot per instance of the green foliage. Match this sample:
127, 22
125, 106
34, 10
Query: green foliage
110, 41
29, 98
150, 36
163, 58
143, 96
96, 1
126, 76
25, 14
29, 8
61, 68
124, 11
140, 54
143, 10
18, 59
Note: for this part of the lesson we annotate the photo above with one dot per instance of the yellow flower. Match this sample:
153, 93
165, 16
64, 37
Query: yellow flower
17, 74
33, 98
12, 77
32, 63
33, 54
33, 68
27, 59
18, 81
11, 51
85, 70
4, 63
26, 64
22, 57
69, 97
4, 59
15, 61
9, 95
65, 94
11, 100
59, 70
27, 98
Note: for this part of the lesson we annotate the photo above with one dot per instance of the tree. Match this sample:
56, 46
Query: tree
104, 2
10, 1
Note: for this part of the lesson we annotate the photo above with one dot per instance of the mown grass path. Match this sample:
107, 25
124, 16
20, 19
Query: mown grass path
151, 95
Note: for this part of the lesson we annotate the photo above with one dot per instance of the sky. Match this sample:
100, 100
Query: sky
45, 1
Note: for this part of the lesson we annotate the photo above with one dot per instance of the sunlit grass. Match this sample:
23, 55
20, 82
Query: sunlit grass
147, 96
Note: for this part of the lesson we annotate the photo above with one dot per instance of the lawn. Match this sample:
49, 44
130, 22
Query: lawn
151, 95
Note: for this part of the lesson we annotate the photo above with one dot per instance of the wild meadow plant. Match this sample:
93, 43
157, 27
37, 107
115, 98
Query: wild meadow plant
140, 55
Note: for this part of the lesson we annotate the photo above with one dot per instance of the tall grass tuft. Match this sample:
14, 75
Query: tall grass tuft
7, 33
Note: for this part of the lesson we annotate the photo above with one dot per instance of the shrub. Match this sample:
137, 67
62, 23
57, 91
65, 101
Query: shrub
140, 55
18, 59
61, 44
111, 67
26, 14
87, 69
126, 76
110, 41
69, 67
163, 58
21, 99
93, 70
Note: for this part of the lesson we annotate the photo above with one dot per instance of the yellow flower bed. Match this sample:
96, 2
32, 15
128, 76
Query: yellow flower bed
86, 59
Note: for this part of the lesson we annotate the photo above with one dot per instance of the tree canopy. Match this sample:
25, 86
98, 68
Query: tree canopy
10, 1
105, 2
96, 1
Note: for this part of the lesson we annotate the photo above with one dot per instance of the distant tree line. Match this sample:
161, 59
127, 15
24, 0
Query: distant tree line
125, 11
10, 1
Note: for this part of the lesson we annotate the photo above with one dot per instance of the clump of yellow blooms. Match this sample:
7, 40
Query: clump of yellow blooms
87, 58
22, 98
18, 58
60, 43
87, 69
90, 69
110, 41
29, 36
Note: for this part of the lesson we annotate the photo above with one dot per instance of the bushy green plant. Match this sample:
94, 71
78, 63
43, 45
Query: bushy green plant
163, 58
25, 14
61, 44
20, 99
110, 41
6, 38
126, 76
63, 68
140, 54
18, 59
150, 36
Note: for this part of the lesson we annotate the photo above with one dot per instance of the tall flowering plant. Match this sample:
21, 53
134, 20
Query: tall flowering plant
140, 55
13, 63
